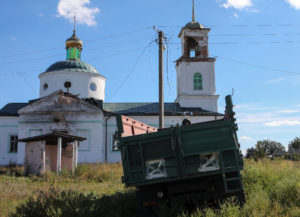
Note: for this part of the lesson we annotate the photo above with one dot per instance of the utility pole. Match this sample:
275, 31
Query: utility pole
161, 80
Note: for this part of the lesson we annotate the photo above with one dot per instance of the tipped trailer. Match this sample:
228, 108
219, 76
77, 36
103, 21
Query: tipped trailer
198, 163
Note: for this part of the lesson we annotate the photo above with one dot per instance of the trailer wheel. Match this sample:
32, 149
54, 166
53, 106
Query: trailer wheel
141, 211
241, 198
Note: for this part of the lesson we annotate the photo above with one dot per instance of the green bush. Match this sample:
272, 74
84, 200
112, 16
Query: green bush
56, 203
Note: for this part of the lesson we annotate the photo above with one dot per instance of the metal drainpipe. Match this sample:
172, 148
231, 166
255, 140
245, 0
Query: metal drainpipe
106, 145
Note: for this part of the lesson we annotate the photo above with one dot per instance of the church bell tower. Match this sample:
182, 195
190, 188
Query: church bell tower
195, 69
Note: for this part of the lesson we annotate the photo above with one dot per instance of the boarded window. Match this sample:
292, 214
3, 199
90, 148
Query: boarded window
13, 143
198, 81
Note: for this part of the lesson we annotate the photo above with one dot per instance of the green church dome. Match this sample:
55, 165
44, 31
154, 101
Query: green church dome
72, 66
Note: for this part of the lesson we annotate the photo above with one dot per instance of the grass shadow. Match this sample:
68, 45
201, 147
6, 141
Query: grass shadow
55, 203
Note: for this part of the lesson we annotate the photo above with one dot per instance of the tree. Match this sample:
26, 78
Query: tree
295, 143
264, 148
251, 153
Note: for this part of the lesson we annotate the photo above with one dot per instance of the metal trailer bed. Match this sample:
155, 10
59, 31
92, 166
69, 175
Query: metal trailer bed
198, 162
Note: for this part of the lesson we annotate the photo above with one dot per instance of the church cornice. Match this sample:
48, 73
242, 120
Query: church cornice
189, 59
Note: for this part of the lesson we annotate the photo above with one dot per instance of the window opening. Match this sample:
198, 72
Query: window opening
13, 143
45, 86
186, 122
93, 86
198, 81
192, 48
192, 53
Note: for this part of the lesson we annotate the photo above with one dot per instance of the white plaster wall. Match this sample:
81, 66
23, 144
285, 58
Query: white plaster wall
8, 126
185, 78
89, 151
209, 103
80, 83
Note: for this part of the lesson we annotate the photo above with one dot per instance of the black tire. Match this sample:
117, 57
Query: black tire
141, 212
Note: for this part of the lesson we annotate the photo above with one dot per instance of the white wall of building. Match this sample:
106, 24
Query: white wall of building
185, 78
8, 126
80, 83
90, 127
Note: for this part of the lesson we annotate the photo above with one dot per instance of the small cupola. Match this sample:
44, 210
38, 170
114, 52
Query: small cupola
74, 47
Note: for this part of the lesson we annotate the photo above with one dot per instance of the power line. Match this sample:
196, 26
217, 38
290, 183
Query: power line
116, 54
258, 66
236, 26
247, 42
23, 72
120, 34
93, 59
88, 41
94, 49
131, 71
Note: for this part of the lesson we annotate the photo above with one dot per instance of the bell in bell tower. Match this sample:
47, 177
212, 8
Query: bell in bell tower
195, 69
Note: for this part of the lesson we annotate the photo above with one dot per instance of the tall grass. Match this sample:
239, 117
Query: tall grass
272, 188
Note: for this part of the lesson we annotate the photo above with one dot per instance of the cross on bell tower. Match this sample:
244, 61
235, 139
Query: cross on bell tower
195, 69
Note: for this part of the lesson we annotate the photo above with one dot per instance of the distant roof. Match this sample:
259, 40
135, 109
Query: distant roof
11, 109
171, 109
72, 66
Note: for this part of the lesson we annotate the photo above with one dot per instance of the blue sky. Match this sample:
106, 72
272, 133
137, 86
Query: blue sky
256, 43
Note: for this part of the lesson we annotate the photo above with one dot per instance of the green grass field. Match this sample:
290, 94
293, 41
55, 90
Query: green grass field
272, 188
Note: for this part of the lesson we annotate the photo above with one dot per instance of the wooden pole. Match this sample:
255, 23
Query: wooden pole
161, 80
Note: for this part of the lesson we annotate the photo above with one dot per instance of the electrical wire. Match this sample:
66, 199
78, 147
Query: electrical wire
94, 49
131, 71
87, 41
258, 66
235, 26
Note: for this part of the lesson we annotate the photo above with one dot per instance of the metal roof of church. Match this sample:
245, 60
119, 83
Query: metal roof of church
11, 109
72, 66
171, 109
134, 109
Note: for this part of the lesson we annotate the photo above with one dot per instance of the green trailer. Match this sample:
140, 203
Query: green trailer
197, 163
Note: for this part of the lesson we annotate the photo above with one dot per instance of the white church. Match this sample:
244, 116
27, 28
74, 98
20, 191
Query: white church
72, 100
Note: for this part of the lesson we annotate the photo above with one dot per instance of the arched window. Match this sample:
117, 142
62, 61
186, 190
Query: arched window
197, 81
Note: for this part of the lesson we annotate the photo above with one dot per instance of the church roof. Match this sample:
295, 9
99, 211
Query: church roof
11, 109
194, 25
141, 109
134, 109
74, 38
72, 66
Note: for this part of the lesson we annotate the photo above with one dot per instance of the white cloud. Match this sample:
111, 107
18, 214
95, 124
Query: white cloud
13, 38
245, 138
275, 81
40, 14
289, 111
282, 123
70, 8
236, 15
294, 3
238, 4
